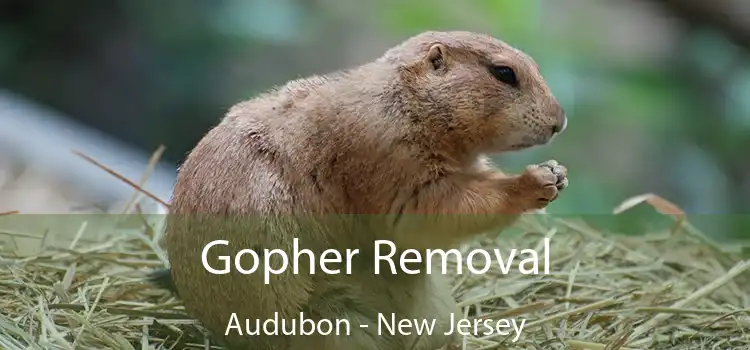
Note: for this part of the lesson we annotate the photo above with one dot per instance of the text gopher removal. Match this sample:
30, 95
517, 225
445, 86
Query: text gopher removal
331, 261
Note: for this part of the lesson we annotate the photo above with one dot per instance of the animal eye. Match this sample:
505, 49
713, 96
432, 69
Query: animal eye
505, 74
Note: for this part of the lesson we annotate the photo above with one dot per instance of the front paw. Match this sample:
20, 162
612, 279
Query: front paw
542, 183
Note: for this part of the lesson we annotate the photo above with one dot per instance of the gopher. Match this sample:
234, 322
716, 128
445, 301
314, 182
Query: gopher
395, 149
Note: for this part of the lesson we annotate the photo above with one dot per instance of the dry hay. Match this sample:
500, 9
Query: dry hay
667, 291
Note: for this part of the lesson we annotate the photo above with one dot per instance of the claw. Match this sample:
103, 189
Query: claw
563, 184
559, 171
550, 163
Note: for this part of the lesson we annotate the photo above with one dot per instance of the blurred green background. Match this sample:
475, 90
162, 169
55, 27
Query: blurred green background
657, 92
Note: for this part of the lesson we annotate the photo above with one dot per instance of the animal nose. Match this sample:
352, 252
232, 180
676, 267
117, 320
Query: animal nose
560, 126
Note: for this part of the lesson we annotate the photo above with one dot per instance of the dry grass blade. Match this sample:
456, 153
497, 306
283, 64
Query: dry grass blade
155, 157
122, 178
660, 204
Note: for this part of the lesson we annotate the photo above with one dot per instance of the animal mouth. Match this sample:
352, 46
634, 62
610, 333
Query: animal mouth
520, 146
528, 142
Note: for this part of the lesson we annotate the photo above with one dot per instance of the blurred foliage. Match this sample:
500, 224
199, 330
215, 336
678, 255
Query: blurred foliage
163, 73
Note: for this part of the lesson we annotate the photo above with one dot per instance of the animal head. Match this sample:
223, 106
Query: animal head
478, 90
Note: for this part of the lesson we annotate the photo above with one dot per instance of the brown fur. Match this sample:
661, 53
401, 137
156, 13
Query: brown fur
404, 135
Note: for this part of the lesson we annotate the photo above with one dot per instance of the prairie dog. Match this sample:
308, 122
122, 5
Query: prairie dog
395, 149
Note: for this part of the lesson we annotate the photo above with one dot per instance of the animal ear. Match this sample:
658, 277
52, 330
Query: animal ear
436, 56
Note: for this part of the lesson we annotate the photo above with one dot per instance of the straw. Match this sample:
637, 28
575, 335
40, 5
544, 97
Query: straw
672, 290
